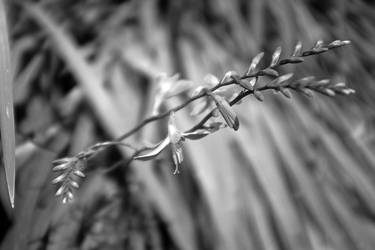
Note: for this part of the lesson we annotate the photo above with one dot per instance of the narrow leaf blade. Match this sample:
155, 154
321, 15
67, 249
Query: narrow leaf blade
6, 106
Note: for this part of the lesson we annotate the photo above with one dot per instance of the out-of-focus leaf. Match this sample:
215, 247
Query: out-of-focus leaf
89, 79
6, 106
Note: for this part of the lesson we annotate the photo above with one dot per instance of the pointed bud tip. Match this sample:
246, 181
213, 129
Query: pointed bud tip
236, 124
11, 197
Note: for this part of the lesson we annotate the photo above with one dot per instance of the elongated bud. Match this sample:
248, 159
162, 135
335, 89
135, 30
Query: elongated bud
197, 134
229, 75
291, 60
338, 43
303, 82
244, 83
61, 167
269, 72
340, 85
60, 191
285, 92
58, 179
280, 80
307, 92
318, 44
249, 85
79, 173
297, 49
323, 82
314, 51
226, 112
347, 91
329, 92
258, 95
275, 57
254, 63
61, 161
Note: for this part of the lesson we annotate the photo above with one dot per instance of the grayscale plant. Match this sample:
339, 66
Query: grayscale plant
213, 97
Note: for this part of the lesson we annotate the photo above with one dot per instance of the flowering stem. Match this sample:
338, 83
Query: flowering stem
278, 83
258, 73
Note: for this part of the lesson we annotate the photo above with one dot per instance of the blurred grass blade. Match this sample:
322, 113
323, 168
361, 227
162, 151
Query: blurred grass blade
6, 106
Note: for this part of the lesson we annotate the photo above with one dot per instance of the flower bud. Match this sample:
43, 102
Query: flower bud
254, 63
226, 112
258, 95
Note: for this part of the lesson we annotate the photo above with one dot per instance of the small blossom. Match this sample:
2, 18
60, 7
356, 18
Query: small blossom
175, 139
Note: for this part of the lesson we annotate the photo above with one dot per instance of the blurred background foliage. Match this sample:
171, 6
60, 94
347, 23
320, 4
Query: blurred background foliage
299, 173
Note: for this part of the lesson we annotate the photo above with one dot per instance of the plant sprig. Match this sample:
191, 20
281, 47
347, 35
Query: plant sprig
216, 103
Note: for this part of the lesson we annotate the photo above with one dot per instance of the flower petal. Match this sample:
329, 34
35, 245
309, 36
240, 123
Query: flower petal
155, 151
174, 133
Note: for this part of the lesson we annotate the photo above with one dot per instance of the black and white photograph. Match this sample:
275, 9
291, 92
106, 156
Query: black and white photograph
187, 125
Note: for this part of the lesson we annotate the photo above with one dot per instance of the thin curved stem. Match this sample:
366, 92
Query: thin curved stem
258, 73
